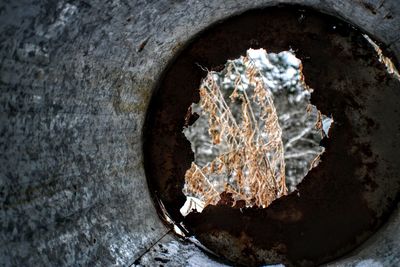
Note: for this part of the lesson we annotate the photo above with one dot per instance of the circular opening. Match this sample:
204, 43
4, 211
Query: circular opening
339, 203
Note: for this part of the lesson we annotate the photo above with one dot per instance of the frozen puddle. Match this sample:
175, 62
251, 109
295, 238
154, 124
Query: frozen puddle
257, 134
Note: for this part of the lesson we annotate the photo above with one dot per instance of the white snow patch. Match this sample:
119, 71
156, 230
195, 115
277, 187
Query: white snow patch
369, 263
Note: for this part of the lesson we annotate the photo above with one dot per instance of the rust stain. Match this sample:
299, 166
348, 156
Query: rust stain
143, 44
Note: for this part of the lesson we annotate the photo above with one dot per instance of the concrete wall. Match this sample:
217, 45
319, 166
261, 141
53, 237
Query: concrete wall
75, 81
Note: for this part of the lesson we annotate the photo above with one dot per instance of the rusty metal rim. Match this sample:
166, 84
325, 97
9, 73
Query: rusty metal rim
167, 150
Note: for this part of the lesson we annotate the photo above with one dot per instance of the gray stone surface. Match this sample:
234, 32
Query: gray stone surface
174, 252
75, 81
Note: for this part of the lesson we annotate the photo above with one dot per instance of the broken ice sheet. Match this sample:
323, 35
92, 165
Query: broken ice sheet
281, 74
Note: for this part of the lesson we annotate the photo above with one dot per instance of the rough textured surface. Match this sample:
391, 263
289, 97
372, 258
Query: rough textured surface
339, 203
170, 251
75, 80
380, 250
